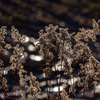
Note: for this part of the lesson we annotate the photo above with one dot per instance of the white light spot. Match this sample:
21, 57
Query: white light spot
31, 48
73, 80
32, 57
44, 75
5, 72
27, 39
56, 89
6, 52
97, 89
36, 42
36, 58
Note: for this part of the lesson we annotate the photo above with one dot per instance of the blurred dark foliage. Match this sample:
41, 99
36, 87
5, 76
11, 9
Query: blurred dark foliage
29, 16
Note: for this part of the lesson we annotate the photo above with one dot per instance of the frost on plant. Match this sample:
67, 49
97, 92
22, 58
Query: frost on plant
56, 45
3, 80
33, 90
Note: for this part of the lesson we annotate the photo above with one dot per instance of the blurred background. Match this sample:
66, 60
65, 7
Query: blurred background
29, 16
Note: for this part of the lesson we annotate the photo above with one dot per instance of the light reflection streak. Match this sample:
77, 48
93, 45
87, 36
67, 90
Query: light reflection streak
56, 89
36, 58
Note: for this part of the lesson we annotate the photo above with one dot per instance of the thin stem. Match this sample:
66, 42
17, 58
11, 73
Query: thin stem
84, 64
94, 94
73, 86
47, 86
59, 97
50, 79
5, 93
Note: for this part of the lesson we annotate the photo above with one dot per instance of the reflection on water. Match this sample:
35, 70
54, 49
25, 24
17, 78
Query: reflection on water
55, 89
31, 47
27, 39
36, 58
